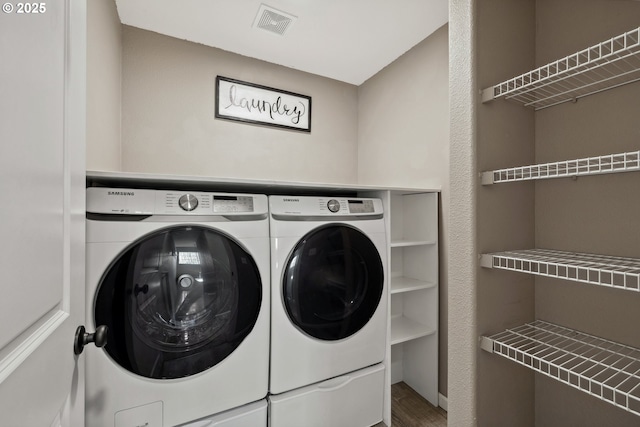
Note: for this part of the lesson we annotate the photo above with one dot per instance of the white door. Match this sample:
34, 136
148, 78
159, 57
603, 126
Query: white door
42, 131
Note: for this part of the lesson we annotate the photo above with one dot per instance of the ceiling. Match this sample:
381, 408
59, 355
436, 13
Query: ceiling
345, 40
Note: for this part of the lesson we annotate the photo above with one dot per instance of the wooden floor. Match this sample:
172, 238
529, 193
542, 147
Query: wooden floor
409, 409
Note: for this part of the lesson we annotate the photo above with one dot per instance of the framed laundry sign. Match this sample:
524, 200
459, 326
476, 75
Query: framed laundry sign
252, 103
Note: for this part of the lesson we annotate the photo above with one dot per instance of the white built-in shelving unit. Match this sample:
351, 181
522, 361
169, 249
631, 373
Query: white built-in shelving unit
606, 65
405, 284
413, 279
607, 370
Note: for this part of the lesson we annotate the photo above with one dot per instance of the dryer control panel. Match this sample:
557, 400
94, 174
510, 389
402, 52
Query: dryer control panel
162, 202
309, 206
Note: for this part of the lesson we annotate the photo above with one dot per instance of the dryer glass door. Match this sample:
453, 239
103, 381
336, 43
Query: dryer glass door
332, 282
178, 301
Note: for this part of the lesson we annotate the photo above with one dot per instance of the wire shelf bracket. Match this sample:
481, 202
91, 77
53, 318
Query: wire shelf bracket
602, 270
604, 369
598, 165
607, 65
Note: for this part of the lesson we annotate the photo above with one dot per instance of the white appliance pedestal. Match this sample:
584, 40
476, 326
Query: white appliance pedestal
351, 400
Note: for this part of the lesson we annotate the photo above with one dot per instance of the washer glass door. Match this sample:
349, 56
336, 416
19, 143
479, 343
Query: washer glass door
333, 282
178, 301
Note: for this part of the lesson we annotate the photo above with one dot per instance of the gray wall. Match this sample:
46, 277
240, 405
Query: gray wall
593, 214
403, 139
505, 215
462, 282
168, 125
493, 40
104, 65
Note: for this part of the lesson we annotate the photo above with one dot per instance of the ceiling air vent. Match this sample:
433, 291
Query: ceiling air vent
273, 20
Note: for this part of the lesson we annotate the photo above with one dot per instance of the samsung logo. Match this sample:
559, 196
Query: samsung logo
121, 193
290, 200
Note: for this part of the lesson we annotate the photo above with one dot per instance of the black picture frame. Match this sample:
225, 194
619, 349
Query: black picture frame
246, 102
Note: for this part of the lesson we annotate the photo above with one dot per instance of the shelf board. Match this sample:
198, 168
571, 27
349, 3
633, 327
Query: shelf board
612, 63
121, 179
601, 368
404, 329
406, 284
406, 243
603, 270
610, 163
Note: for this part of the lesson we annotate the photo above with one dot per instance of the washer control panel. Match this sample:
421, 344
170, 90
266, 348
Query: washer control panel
179, 203
164, 202
210, 203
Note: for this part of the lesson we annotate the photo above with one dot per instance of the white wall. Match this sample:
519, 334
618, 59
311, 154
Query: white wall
104, 64
169, 127
403, 138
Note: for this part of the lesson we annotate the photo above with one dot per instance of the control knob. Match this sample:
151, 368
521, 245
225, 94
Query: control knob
188, 202
333, 205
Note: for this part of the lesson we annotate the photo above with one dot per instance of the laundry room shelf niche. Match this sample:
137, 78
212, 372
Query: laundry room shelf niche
597, 165
606, 65
602, 270
603, 369
527, 216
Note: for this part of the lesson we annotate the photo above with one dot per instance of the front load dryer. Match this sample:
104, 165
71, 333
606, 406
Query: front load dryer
181, 280
329, 302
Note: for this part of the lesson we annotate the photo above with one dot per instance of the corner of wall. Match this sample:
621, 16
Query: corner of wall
462, 370
104, 77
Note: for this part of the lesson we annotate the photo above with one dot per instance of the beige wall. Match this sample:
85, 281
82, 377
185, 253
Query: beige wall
403, 120
505, 214
597, 214
462, 289
104, 64
493, 40
403, 138
168, 126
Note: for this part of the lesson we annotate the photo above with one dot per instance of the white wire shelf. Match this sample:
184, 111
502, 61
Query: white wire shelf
610, 163
404, 329
601, 368
401, 284
612, 63
603, 270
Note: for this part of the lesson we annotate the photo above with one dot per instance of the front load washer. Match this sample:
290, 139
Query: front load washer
181, 280
329, 302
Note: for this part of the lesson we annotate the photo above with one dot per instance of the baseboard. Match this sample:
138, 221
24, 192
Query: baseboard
442, 401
